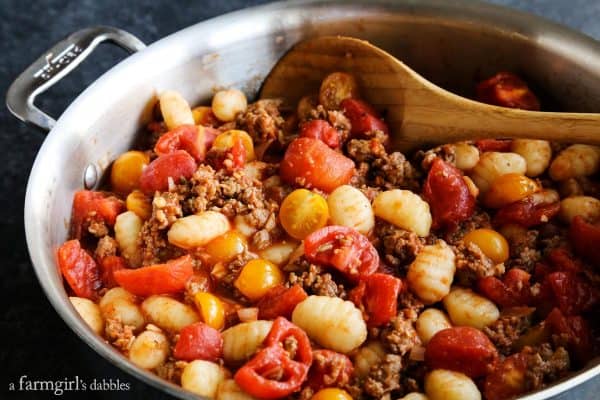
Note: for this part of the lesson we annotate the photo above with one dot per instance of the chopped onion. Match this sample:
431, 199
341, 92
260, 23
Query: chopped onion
248, 314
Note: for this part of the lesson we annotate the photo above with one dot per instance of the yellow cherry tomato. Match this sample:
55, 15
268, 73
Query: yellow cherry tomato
331, 394
491, 243
140, 204
303, 212
225, 247
126, 171
257, 277
509, 188
211, 309
226, 139
203, 115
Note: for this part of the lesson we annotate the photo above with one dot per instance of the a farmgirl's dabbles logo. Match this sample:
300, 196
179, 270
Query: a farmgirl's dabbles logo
75, 384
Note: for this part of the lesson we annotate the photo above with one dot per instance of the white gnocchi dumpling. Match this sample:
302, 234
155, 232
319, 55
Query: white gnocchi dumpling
404, 209
241, 341
414, 396
430, 322
175, 109
493, 164
348, 206
331, 322
168, 313
229, 390
575, 161
431, 273
197, 230
127, 231
466, 156
226, 104
467, 308
203, 377
118, 303
279, 253
585, 206
442, 384
149, 349
89, 312
537, 154
366, 357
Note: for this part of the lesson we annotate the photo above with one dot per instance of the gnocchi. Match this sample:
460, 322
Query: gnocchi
203, 378
586, 206
466, 156
441, 384
430, 322
404, 209
493, 165
168, 313
127, 230
175, 110
198, 230
242, 340
149, 350
119, 304
348, 206
229, 390
431, 273
366, 357
89, 312
575, 161
226, 104
332, 322
467, 308
279, 253
537, 154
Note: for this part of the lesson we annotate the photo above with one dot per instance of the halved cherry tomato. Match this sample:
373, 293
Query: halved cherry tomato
108, 266
585, 238
343, 248
569, 292
232, 158
199, 342
270, 374
328, 369
283, 329
79, 269
176, 165
576, 332
493, 145
185, 137
513, 290
381, 298
157, 279
463, 349
507, 381
506, 89
280, 302
363, 118
448, 195
90, 206
526, 213
311, 163
322, 130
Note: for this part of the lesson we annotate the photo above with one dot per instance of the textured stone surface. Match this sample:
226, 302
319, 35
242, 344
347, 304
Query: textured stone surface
35, 341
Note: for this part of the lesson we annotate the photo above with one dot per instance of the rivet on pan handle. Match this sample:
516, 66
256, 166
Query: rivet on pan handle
55, 64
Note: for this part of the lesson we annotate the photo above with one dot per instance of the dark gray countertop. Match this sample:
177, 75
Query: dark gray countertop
35, 341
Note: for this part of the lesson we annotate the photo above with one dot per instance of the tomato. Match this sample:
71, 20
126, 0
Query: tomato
79, 269
509, 188
232, 158
93, 206
448, 195
344, 249
381, 298
322, 130
199, 342
328, 369
508, 378
513, 290
258, 377
363, 117
576, 332
526, 213
190, 138
311, 163
108, 266
273, 373
303, 212
569, 292
463, 349
585, 238
506, 89
280, 302
561, 260
176, 165
283, 329
490, 242
156, 279
493, 145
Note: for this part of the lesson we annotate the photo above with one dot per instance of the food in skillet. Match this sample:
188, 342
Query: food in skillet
251, 251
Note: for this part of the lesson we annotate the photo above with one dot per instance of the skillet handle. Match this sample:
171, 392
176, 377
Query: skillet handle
55, 64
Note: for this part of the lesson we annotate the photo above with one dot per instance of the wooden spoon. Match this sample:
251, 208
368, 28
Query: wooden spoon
418, 112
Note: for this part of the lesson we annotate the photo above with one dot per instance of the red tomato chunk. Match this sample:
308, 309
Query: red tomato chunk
157, 279
199, 342
381, 298
321, 130
506, 89
79, 269
585, 238
311, 163
363, 117
90, 206
185, 137
280, 302
526, 213
176, 165
493, 145
108, 266
329, 369
513, 290
463, 349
